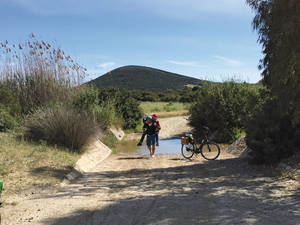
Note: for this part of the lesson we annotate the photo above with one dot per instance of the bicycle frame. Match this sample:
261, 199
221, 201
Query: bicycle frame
203, 142
198, 150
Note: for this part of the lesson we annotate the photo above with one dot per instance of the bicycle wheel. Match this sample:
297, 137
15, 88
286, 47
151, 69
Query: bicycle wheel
210, 151
187, 152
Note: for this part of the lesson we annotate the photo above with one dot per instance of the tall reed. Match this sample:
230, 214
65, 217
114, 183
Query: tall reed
38, 72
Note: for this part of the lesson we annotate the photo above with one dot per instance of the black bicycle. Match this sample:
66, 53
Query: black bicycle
208, 149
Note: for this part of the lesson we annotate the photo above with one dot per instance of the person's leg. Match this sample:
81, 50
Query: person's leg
149, 148
153, 149
149, 144
152, 145
142, 139
156, 139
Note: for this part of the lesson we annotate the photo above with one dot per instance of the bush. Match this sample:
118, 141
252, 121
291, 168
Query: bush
130, 111
7, 121
87, 98
61, 124
10, 100
224, 108
271, 135
10, 108
106, 115
103, 113
126, 107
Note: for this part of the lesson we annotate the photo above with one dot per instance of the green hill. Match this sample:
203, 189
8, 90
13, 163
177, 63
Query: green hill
144, 78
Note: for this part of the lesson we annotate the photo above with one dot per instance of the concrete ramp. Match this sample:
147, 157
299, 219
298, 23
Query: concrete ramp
94, 155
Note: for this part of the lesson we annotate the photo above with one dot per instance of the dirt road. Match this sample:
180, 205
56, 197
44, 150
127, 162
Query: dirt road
128, 190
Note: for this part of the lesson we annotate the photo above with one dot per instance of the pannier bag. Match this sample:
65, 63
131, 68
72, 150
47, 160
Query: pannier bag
184, 140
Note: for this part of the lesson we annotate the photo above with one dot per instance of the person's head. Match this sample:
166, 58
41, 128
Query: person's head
154, 117
148, 120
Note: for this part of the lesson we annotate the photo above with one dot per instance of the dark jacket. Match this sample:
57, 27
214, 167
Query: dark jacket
150, 130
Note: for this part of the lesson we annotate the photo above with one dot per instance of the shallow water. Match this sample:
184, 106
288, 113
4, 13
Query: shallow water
168, 146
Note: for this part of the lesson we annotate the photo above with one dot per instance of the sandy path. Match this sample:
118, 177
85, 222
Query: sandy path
128, 190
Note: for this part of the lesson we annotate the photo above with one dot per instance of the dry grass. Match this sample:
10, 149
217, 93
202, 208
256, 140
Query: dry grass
63, 125
26, 165
165, 109
172, 114
148, 107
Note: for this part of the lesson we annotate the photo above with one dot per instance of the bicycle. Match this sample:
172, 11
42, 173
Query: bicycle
208, 149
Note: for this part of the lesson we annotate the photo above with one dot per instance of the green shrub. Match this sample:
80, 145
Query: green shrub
103, 113
224, 108
87, 98
10, 108
130, 111
126, 107
10, 100
62, 125
107, 116
271, 134
7, 121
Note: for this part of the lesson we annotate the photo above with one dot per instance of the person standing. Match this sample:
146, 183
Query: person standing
156, 121
150, 129
146, 119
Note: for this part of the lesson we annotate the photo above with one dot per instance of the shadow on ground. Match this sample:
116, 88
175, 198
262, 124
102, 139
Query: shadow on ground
211, 192
51, 172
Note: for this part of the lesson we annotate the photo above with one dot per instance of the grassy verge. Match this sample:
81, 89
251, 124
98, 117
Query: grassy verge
172, 114
126, 146
24, 165
110, 140
164, 107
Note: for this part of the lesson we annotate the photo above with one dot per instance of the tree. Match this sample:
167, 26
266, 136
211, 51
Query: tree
278, 26
274, 131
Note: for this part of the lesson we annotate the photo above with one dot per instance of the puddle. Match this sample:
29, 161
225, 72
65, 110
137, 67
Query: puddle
167, 146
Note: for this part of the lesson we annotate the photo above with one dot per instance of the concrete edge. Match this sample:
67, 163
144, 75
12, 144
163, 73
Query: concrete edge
96, 153
117, 132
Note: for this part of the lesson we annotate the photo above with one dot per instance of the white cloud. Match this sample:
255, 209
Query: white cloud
174, 8
101, 68
232, 62
106, 65
185, 63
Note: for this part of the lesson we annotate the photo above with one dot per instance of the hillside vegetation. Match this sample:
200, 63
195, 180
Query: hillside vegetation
144, 78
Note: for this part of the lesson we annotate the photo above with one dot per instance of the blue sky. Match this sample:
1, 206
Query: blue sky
199, 38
